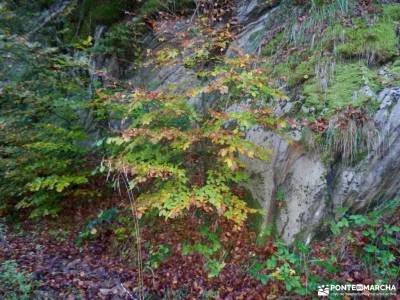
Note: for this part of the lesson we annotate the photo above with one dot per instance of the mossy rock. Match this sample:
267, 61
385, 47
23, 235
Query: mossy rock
377, 42
342, 90
273, 45
297, 70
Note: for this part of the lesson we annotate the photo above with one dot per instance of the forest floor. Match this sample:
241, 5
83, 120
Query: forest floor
65, 271
181, 260
95, 270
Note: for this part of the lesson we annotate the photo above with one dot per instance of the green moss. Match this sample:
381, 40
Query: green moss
297, 69
273, 45
395, 68
376, 43
348, 79
392, 12
153, 6
255, 36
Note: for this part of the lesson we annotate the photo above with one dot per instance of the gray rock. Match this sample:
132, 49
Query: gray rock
260, 22
365, 91
375, 178
305, 196
301, 177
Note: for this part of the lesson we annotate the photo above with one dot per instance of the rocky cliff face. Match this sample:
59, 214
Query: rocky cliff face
296, 188
312, 191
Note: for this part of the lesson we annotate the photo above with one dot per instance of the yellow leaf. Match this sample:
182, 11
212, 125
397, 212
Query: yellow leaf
223, 152
224, 89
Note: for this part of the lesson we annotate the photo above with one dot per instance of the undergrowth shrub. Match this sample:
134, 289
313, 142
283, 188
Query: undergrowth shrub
44, 145
174, 157
374, 239
210, 250
177, 165
14, 283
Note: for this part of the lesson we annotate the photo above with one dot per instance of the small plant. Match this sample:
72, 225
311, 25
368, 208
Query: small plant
209, 250
375, 240
280, 197
214, 267
158, 256
281, 266
14, 283
94, 227
59, 234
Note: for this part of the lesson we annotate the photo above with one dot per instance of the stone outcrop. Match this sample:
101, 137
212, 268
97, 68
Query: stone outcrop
299, 178
308, 197
376, 177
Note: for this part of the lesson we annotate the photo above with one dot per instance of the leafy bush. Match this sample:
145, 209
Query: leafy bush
43, 140
179, 160
122, 40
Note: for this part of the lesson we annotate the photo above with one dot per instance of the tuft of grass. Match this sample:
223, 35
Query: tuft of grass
273, 45
351, 143
320, 14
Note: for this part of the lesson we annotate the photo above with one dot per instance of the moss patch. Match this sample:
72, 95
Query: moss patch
392, 12
376, 43
298, 68
342, 90
273, 45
